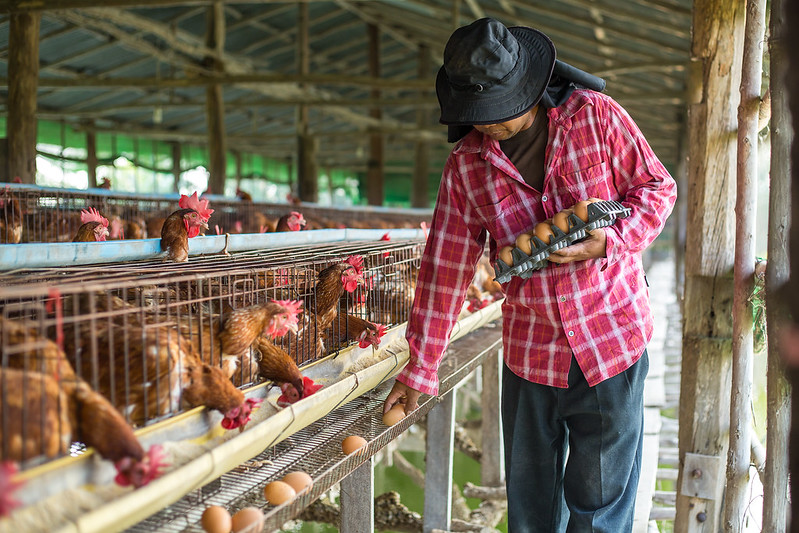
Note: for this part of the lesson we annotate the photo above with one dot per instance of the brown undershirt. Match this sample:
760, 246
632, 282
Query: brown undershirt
527, 150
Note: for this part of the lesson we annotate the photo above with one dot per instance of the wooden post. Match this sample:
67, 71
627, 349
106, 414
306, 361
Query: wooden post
778, 391
680, 215
91, 157
23, 75
438, 464
176, 165
215, 103
792, 294
713, 83
736, 498
307, 171
421, 164
491, 462
374, 167
237, 158
358, 498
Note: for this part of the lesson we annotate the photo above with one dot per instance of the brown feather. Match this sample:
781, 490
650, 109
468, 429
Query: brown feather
276, 365
175, 238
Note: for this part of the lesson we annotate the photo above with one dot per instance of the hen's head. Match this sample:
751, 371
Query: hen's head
295, 221
371, 336
8, 485
92, 215
239, 416
292, 392
353, 275
285, 319
194, 223
137, 473
199, 205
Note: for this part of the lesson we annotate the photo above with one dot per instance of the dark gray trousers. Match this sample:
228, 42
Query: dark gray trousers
573, 456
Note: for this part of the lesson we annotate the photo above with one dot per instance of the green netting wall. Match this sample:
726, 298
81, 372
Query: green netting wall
141, 165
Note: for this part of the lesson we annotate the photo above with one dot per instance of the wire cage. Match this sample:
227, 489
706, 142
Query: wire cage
126, 328
41, 214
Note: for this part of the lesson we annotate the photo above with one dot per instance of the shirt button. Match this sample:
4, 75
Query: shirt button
544, 198
571, 334
562, 298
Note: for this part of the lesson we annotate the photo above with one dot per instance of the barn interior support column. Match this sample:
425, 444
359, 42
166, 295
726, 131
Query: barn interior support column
778, 391
307, 169
421, 164
374, 171
176, 155
91, 156
23, 76
214, 102
713, 95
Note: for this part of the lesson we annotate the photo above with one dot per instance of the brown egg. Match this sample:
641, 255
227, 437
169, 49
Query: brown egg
505, 255
278, 492
394, 415
581, 210
523, 243
299, 481
248, 519
352, 443
543, 230
561, 220
216, 519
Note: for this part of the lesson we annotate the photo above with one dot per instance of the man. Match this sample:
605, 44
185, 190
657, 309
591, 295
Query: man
575, 333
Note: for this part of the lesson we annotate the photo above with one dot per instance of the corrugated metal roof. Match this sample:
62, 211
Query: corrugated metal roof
123, 62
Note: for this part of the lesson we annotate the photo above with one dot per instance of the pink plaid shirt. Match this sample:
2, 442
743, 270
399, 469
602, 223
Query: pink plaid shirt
597, 310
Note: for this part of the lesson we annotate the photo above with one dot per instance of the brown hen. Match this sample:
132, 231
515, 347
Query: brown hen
182, 225
10, 218
50, 407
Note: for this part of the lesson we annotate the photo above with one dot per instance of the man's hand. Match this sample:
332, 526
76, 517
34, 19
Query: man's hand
401, 391
591, 248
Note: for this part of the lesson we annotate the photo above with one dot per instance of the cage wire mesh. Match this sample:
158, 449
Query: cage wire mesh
315, 450
33, 214
119, 326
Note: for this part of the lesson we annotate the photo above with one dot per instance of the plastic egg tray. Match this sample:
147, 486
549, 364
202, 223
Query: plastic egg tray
600, 214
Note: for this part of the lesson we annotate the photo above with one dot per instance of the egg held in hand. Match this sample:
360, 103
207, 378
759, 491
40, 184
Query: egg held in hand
543, 230
506, 255
394, 415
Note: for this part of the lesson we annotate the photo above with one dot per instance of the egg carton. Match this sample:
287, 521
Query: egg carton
600, 214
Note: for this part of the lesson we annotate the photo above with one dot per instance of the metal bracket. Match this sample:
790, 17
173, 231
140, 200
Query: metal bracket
700, 475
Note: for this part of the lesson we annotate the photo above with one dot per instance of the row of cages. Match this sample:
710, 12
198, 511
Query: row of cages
156, 341
36, 214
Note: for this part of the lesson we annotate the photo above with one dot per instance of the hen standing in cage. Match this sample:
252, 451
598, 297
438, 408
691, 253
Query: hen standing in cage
147, 369
182, 225
10, 218
45, 407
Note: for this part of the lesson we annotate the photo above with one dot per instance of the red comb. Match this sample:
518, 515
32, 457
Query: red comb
192, 202
92, 215
356, 261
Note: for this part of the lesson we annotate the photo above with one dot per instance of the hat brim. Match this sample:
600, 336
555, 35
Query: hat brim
516, 97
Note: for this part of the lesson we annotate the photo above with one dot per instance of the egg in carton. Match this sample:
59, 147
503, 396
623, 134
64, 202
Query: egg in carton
600, 214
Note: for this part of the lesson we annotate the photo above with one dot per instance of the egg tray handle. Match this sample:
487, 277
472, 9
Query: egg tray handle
600, 214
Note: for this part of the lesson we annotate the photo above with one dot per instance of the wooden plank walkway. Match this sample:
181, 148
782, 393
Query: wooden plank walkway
656, 497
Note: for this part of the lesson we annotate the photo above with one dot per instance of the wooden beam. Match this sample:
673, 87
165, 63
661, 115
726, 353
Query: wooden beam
176, 156
91, 158
707, 334
778, 390
214, 100
736, 497
421, 169
307, 145
23, 70
230, 79
374, 176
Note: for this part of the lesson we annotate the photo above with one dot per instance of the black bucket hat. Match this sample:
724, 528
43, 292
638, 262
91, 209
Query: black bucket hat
492, 73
